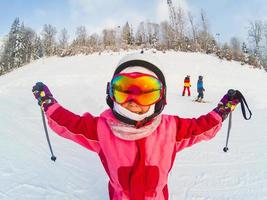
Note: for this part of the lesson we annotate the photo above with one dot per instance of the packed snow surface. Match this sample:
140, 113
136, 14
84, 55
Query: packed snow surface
201, 172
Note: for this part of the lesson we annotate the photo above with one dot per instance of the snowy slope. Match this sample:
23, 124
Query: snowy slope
202, 172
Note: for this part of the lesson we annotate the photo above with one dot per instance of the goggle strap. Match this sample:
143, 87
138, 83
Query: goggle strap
108, 87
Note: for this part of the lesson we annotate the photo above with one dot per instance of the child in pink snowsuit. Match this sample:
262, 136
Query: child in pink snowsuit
135, 142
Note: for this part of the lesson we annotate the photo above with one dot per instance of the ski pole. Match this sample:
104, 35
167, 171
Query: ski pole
238, 95
53, 157
231, 93
225, 149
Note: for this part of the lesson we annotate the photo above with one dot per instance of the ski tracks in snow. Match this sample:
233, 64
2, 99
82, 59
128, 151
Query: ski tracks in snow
30, 191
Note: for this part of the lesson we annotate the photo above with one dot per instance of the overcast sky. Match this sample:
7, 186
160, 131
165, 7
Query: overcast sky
227, 17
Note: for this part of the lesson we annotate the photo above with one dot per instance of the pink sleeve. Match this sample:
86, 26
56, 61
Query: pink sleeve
80, 129
192, 131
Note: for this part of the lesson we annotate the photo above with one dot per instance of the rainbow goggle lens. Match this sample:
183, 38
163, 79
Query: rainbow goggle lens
144, 89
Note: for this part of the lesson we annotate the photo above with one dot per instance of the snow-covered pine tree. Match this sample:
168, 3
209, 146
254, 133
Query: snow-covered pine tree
1, 54
9, 55
37, 49
48, 39
26, 39
244, 48
155, 36
126, 35
140, 36
132, 36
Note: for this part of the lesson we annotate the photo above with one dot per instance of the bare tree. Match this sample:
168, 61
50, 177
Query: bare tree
81, 36
204, 21
109, 38
167, 35
181, 23
94, 41
63, 38
235, 44
227, 52
194, 33
236, 48
205, 39
255, 34
193, 27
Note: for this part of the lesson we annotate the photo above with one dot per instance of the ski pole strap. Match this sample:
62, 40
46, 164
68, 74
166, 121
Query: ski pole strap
243, 104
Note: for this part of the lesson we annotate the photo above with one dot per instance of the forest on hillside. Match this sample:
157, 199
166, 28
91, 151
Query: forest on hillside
184, 32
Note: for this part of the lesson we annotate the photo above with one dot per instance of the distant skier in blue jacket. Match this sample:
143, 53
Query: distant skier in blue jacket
200, 89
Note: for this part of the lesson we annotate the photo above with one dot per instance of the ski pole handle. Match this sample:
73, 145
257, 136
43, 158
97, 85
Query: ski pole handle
231, 94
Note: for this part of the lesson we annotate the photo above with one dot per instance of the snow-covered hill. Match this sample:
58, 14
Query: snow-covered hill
202, 172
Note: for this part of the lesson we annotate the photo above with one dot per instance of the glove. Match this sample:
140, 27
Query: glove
227, 104
43, 95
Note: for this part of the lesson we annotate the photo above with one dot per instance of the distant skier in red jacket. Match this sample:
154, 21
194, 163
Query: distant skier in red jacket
135, 142
187, 85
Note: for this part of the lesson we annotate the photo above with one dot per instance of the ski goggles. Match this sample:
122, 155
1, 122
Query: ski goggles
144, 89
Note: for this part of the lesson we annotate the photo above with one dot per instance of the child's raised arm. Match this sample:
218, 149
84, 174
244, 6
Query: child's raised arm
192, 131
80, 129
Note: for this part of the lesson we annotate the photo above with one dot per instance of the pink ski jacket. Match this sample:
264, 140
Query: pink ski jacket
138, 169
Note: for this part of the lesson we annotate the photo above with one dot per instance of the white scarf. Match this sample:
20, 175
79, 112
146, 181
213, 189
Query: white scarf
130, 132
134, 116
